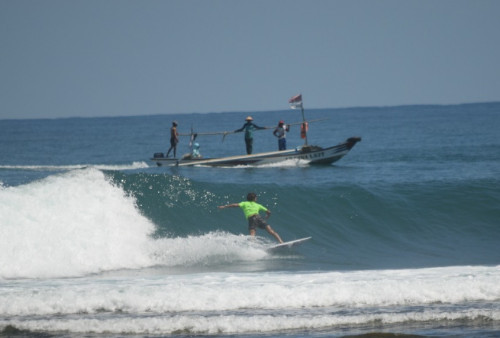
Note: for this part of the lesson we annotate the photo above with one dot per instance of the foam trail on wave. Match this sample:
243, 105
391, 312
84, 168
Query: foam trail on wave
213, 248
134, 165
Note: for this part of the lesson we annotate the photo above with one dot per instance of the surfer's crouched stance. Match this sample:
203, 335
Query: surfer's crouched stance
251, 210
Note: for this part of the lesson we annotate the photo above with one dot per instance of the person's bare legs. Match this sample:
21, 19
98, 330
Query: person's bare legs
274, 233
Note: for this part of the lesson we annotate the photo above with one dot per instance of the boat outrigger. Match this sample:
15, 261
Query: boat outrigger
307, 153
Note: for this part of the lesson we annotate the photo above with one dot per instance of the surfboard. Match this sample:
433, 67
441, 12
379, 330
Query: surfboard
289, 244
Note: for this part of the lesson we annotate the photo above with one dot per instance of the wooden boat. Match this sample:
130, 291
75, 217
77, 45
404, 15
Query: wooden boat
307, 153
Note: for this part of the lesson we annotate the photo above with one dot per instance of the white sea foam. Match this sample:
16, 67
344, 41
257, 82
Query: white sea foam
285, 164
68, 225
237, 324
291, 163
214, 248
250, 302
264, 291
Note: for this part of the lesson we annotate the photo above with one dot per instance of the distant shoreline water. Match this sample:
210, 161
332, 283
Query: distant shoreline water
397, 106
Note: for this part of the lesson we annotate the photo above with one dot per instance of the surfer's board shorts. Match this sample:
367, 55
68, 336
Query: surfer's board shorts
255, 222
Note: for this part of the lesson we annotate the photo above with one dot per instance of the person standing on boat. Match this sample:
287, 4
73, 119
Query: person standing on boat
249, 128
174, 139
251, 210
280, 133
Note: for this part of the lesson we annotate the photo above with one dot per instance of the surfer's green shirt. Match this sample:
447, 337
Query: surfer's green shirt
251, 208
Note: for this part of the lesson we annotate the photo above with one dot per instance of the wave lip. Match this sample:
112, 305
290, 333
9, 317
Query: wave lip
70, 224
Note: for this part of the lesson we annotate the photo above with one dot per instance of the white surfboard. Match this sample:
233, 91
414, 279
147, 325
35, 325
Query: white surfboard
289, 244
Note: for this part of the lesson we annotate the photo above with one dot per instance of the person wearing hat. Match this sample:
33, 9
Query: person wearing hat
249, 127
196, 151
174, 139
280, 133
194, 154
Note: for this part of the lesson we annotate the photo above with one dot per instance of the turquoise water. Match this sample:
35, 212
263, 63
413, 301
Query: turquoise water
96, 239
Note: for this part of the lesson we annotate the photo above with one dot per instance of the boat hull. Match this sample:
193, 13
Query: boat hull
310, 154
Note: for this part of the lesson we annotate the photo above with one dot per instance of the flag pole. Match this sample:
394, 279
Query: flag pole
304, 122
295, 101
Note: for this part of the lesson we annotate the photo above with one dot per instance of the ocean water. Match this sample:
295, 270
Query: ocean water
96, 240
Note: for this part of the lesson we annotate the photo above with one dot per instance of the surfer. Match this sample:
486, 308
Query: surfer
174, 139
249, 127
280, 133
251, 210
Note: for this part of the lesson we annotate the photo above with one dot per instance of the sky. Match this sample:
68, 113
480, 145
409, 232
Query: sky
92, 58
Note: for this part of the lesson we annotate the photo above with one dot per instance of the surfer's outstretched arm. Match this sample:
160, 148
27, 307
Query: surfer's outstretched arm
234, 205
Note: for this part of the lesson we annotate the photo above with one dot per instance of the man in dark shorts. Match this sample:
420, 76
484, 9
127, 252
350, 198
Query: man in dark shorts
249, 127
251, 210
174, 139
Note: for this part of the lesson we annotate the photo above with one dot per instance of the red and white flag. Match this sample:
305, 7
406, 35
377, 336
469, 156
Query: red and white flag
296, 102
